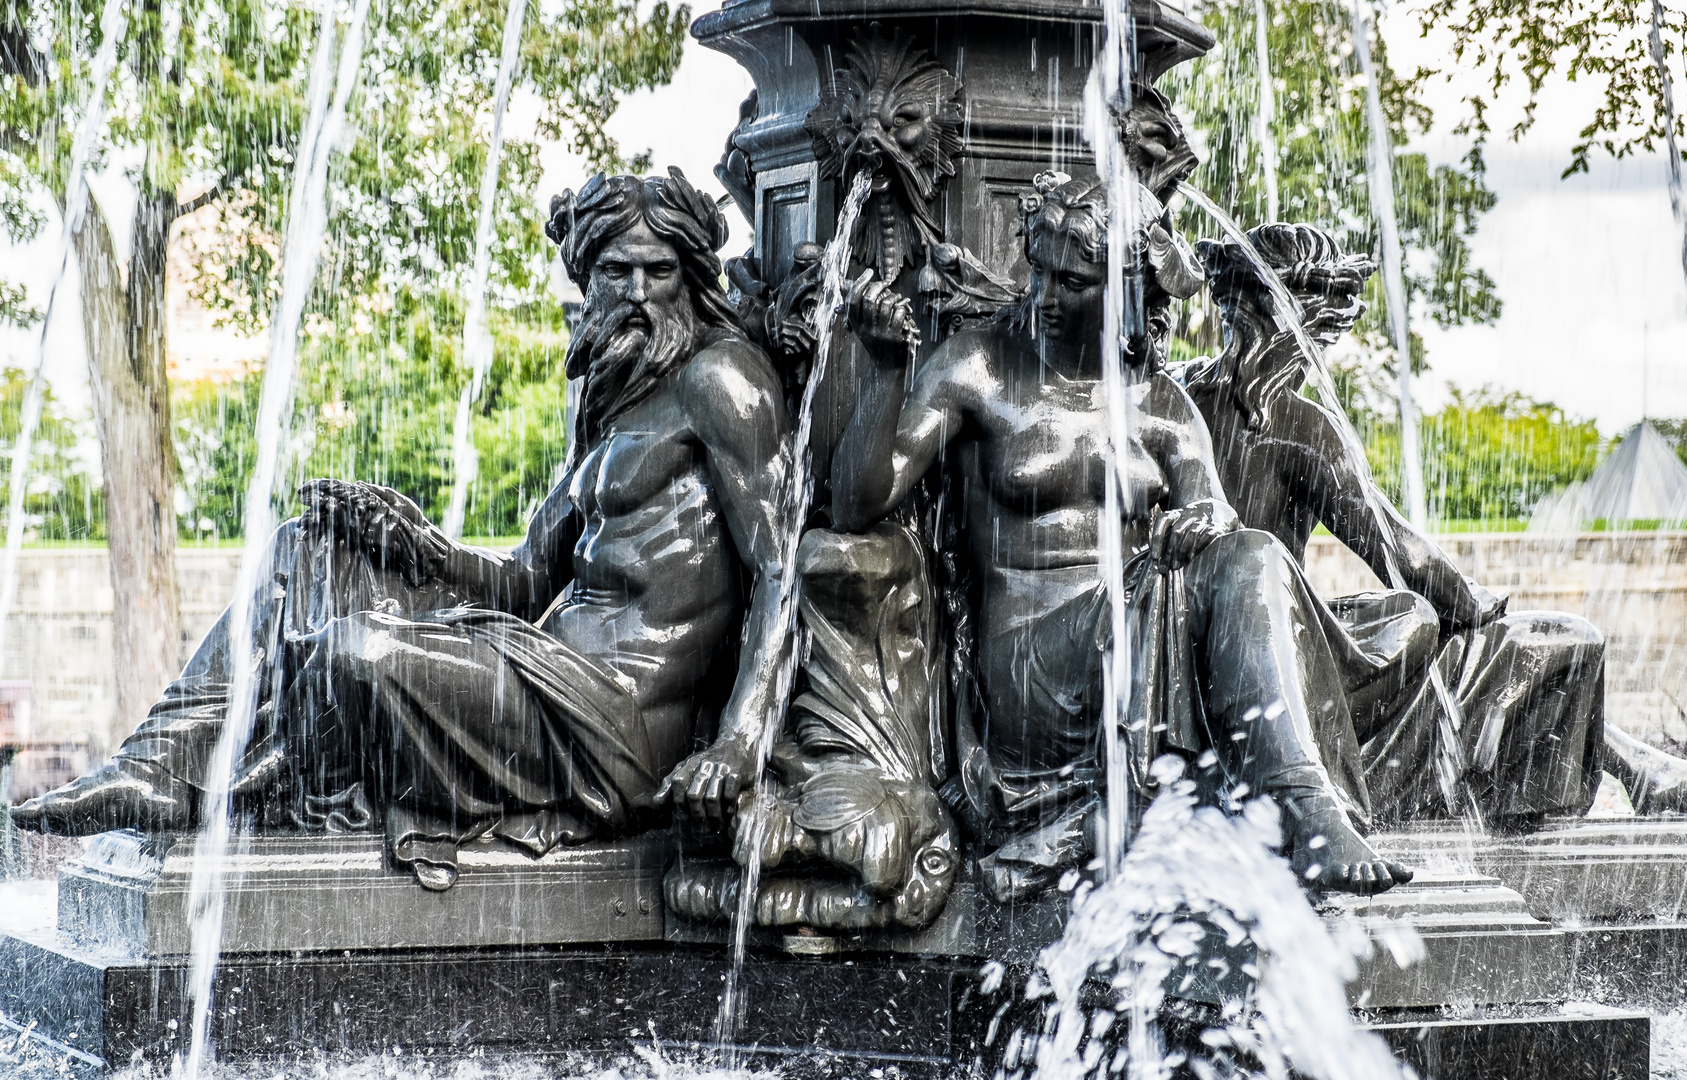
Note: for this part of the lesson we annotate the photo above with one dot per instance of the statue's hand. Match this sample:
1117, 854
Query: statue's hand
880, 316
378, 521
1180, 535
707, 784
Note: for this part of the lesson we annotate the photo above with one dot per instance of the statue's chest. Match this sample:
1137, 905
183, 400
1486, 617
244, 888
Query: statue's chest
1048, 451
629, 470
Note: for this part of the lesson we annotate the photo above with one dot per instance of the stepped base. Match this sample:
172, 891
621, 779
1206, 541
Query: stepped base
129, 893
1574, 870
924, 1016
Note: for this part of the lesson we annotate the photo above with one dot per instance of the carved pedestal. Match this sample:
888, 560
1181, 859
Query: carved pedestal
318, 893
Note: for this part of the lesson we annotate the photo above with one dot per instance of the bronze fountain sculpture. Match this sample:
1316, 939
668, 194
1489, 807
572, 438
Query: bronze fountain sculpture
900, 436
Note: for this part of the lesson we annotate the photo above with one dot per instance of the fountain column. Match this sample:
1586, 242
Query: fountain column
1022, 66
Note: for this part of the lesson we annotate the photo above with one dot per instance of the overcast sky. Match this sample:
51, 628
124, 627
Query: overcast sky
1595, 305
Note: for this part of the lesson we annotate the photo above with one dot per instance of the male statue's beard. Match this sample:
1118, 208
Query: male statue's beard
625, 359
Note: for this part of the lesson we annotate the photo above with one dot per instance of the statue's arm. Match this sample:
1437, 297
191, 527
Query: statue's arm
525, 580
737, 412
1197, 510
895, 438
390, 528
1345, 498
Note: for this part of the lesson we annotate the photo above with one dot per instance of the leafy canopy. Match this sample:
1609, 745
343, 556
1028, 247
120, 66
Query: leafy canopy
1323, 139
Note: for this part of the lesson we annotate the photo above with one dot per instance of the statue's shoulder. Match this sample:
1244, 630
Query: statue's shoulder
1169, 398
976, 352
732, 376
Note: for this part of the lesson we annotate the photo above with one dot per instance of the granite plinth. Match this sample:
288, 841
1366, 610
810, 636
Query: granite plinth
1593, 1043
114, 1008
926, 1016
1576, 870
1449, 937
129, 893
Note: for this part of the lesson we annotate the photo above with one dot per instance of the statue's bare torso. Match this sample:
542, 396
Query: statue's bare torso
647, 546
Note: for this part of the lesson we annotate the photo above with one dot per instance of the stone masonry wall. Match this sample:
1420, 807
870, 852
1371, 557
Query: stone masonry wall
1632, 585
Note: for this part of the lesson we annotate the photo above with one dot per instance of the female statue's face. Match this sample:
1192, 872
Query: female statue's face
1067, 288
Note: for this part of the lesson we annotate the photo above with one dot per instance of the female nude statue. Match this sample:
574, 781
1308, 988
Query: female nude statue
1228, 653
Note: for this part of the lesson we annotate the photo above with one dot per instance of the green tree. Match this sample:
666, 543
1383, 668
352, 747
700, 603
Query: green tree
209, 98
377, 403
1498, 43
1322, 141
63, 501
1489, 456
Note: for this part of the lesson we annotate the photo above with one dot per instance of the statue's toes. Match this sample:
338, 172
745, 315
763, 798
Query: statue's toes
30, 814
1399, 873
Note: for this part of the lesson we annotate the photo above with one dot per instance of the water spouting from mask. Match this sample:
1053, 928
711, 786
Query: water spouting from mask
477, 336
307, 220
796, 498
113, 22
1107, 96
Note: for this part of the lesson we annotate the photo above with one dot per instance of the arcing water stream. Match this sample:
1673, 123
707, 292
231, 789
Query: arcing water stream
1381, 159
1267, 109
307, 220
798, 495
1107, 96
112, 24
477, 337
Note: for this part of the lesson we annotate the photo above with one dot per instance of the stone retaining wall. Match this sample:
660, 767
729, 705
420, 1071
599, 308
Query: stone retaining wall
1632, 585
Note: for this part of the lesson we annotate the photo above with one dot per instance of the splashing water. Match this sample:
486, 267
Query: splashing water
1194, 875
1287, 312
1109, 90
1267, 109
1666, 92
1381, 159
477, 338
796, 499
307, 221
113, 22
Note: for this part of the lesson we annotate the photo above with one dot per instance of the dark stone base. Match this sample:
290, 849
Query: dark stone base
890, 1009
918, 1016
1641, 965
1543, 1046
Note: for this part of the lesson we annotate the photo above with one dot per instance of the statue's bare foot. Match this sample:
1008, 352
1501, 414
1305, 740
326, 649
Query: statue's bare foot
111, 797
1327, 853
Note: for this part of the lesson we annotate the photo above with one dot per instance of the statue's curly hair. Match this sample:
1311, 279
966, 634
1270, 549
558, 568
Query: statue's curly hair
607, 206
1329, 283
1305, 258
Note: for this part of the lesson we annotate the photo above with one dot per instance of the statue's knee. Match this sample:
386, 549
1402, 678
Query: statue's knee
1244, 556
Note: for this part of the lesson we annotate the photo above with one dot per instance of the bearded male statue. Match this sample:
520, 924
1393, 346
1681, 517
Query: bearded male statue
541, 696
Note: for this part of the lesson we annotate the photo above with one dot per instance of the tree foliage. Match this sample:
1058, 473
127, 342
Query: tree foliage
1489, 456
1499, 43
377, 403
63, 501
1323, 139
206, 109
404, 195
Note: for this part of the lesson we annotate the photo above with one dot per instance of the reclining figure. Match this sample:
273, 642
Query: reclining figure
539, 696
1519, 730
